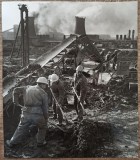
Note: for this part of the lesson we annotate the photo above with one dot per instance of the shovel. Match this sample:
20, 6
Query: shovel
79, 100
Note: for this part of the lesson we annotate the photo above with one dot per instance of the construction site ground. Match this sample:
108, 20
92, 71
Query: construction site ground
109, 129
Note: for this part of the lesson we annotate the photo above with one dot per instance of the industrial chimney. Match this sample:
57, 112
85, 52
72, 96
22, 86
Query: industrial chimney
80, 26
133, 34
125, 37
117, 37
32, 32
129, 34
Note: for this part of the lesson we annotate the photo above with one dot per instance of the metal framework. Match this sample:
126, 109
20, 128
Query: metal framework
24, 35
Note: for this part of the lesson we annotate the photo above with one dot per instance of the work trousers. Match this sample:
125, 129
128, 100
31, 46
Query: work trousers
77, 104
57, 112
22, 132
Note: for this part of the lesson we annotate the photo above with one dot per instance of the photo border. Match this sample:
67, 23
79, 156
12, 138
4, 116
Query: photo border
1, 87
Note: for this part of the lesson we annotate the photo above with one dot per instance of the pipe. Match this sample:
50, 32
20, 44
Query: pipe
133, 34
129, 34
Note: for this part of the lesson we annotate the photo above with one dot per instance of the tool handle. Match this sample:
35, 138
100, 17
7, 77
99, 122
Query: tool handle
78, 99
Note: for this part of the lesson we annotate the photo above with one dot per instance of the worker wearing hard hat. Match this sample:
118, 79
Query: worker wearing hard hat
80, 85
107, 59
34, 111
114, 58
58, 92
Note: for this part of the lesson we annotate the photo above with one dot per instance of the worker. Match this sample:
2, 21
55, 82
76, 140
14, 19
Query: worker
58, 93
34, 112
114, 56
80, 86
102, 53
107, 59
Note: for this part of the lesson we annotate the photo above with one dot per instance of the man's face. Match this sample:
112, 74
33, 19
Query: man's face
44, 86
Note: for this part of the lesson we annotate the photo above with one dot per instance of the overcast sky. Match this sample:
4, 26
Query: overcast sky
101, 17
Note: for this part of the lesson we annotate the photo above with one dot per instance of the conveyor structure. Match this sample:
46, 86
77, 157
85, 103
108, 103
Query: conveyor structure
56, 54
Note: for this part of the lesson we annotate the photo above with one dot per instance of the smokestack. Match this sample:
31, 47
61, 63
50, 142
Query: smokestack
121, 37
80, 26
117, 37
31, 25
133, 34
129, 34
125, 37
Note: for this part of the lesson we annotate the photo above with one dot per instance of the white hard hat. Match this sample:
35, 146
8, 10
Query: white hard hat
49, 77
42, 80
79, 68
54, 78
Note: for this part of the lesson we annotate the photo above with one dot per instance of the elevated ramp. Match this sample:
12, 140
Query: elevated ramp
46, 57
42, 60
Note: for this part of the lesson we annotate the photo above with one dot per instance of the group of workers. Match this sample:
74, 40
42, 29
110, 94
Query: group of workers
35, 108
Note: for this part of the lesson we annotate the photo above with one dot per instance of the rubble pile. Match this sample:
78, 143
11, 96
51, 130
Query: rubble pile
80, 140
88, 136
115, 95
119, 85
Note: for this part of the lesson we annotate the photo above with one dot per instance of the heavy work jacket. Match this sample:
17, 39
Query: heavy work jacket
58, 91
35, 99
80, 84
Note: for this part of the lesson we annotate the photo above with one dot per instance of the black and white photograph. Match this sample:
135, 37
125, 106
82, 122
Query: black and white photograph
70, 86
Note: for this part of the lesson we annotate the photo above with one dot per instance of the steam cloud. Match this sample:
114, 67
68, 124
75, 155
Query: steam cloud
101, 18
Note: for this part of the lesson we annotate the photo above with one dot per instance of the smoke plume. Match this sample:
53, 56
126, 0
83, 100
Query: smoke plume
101, 17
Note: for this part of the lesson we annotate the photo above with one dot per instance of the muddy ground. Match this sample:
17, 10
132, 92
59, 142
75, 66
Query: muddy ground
110, 128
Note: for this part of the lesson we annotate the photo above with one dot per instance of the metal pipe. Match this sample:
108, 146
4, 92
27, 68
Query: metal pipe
22, 36
27, 38
14, 42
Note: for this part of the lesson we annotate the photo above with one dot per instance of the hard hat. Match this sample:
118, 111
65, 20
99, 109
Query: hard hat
49, 77
116, 51
42, 80
79, 68
54, 78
